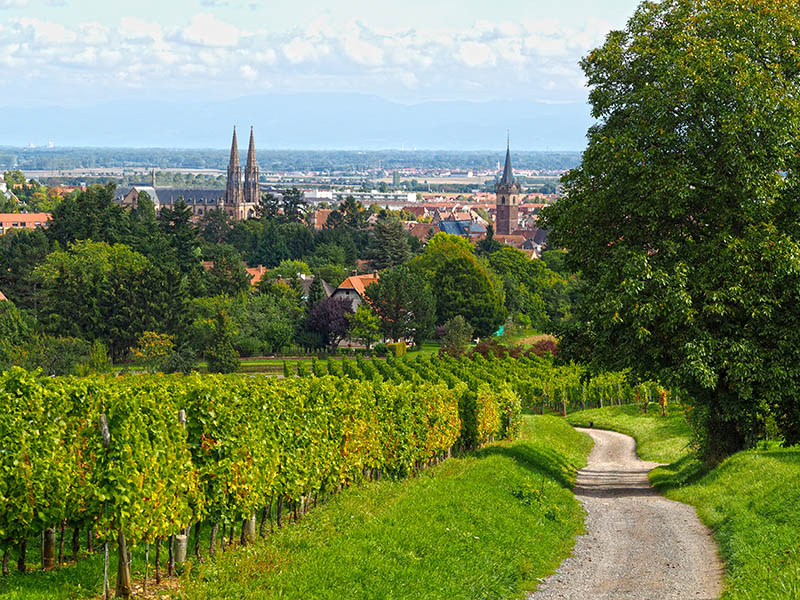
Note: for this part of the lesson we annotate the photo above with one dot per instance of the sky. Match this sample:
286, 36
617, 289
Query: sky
79, 52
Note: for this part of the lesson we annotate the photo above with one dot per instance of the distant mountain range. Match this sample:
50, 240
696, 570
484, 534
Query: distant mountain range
302, 121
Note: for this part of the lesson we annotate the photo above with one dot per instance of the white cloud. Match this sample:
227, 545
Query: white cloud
300, 50
363, 52
475, 54
12, 3
207, 54
207, 30
248, 72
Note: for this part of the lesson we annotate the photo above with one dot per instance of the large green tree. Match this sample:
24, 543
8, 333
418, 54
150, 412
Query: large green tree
404, 303
683, 217
100, 292
390, 244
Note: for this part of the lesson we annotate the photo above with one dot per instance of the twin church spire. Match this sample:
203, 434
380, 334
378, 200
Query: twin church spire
242, 192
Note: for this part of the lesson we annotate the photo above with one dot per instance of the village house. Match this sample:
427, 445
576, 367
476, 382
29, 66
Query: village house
10, 221
353, 287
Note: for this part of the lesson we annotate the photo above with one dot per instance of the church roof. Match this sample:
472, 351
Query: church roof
508, 175
191, 195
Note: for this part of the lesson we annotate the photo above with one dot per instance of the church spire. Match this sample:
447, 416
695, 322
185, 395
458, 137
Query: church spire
251, 191
233, 190
508, 174
234, 159
251, 153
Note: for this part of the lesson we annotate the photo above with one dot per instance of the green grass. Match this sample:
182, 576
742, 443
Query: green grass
660, 439
750, 501
473, 527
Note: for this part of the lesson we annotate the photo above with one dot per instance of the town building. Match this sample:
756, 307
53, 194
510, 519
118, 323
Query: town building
239, 200
10, 221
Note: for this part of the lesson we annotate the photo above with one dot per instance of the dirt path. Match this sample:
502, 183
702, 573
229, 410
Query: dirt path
638, 544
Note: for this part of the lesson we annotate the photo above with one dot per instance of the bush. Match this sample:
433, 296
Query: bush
379, 349
396, 348
457, 336
180, 361
222, 358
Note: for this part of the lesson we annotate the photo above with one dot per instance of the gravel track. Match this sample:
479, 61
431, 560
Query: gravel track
638, 544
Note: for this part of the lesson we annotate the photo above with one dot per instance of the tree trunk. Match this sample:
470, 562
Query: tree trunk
146, 565
158, 561
262, 527
61, 542
76, 542
23, 555
280, 513
212, 546
123, 569
171, 557
197, 531
49, 549
5, 562
89, 540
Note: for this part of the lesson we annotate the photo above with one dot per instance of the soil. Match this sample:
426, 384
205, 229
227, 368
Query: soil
638, 544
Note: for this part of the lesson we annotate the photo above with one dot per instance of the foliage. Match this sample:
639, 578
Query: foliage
389, 244
331, 319
227, 274
457, 336
16, 327
102, 292
682, 218
365, 326
404, 303
152, 349
396, 349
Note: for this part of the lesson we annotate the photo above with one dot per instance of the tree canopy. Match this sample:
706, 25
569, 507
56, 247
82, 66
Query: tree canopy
683, 215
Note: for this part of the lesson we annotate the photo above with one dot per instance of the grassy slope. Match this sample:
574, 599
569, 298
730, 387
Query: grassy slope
657, 438
459, 530
750, 501
464, 529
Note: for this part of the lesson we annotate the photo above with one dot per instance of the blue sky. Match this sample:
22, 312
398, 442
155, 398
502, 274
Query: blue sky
79, 53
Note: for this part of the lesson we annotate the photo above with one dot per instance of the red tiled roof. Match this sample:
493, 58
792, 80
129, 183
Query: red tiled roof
28, 220
256, 273
2, 297
358, 282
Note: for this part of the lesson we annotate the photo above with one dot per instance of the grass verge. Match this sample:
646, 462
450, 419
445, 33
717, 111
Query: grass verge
660, 439
750, 501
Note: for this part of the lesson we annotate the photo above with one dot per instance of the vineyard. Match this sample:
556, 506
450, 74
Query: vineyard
140, 460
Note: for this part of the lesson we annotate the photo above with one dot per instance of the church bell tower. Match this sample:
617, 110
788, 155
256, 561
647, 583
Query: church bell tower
507, 199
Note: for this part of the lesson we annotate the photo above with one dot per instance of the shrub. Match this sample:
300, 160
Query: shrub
379, 349
396, 348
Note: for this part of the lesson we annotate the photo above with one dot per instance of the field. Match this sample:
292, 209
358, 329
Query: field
481, 525
749, 501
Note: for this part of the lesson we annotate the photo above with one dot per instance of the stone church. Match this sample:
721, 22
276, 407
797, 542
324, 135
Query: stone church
239, 199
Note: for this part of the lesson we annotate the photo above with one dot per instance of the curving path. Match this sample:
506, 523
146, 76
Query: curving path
638, 544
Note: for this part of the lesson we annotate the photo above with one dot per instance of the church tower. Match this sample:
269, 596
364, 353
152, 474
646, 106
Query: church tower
507, 199
251, 190
233, 191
